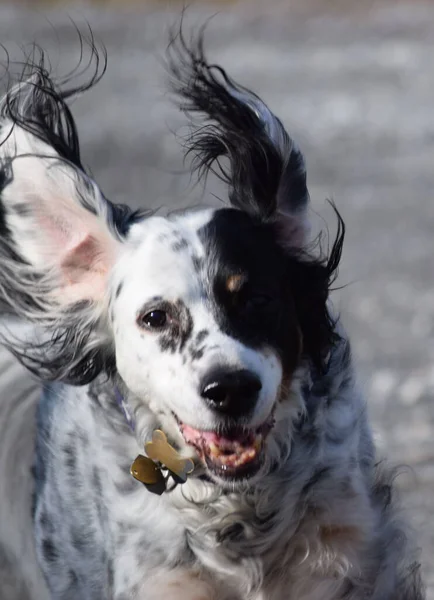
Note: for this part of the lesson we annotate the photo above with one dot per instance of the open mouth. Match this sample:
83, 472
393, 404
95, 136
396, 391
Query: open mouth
231, 453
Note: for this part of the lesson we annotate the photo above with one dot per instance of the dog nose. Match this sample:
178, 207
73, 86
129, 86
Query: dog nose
232, 393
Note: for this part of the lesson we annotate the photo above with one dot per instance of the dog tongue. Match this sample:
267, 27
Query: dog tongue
192, 435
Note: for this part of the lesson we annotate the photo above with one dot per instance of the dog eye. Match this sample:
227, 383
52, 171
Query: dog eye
155, 319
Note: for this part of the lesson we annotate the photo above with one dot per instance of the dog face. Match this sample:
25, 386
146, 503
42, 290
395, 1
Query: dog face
205, 331
205, 316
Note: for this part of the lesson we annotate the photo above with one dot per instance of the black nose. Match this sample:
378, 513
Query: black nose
232, 393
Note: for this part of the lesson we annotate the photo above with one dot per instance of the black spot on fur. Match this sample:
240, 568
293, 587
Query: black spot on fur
201, 336
308, 432
317, 476
197, 353
197, 263
168, 342
46, 523
179, 245
178, 333
232, 533
70, 458
49, 550
21, 209
110, 575
195, 349
186, 325
119, 290
78, 539
73, 578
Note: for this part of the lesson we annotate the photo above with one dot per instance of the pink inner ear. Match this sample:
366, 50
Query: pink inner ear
85, 267
83, 258
82, 250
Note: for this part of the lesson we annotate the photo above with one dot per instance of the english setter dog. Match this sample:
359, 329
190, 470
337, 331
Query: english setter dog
204, 339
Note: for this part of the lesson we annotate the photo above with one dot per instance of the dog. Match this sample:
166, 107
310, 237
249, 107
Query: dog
206, 334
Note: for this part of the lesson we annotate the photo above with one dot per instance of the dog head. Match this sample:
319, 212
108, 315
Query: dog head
204, 316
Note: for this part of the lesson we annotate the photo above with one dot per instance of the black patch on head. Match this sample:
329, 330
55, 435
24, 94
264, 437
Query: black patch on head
262, 312
283, 302
49, 550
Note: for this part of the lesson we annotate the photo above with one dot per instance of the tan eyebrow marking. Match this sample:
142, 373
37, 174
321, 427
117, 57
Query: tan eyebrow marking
235, 282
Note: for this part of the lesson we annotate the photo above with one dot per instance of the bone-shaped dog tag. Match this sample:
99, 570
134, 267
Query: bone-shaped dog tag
160, 450
147, 472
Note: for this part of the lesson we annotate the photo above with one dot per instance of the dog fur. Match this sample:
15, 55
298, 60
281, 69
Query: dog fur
239, 288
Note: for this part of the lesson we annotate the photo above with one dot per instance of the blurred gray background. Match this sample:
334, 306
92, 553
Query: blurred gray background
354, 83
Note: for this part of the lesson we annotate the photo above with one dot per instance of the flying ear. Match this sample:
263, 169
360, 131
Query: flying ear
265, 170
59, 237
54, 217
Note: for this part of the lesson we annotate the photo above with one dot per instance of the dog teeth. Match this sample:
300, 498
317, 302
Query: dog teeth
237, 459
214, 449
228, 453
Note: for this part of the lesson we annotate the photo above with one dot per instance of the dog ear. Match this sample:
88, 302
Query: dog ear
264, 168
59, 236
53, 218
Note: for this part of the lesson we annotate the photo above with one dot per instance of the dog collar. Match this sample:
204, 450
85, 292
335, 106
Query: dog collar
162, 462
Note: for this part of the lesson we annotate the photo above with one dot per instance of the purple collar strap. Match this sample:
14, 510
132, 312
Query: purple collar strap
125, 409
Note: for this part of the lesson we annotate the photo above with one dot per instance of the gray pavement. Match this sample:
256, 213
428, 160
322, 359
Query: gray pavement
355, 86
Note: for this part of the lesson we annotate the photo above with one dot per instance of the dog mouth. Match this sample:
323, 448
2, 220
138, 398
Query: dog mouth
229, 453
